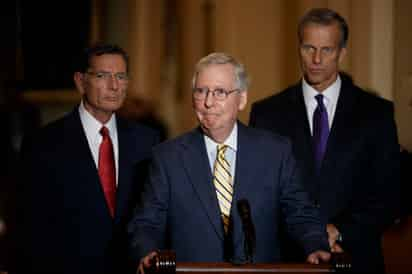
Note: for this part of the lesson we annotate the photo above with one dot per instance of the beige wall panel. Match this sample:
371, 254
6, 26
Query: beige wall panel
96, 25
361, 42
252, 31
192, 48
343, 7
382, 48
145, 48
291, 65
306, 5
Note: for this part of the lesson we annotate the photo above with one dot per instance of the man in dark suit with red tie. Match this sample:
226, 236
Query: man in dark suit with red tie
344, 140
81, 176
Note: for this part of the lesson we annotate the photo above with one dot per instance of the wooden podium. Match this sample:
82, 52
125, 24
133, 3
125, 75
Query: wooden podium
165, 263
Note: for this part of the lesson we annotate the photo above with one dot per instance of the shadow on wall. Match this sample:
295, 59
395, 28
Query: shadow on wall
143, 112
17, 118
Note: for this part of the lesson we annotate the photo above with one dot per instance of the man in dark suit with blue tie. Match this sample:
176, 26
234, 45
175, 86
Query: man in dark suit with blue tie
196, 180
81, 177
344, 141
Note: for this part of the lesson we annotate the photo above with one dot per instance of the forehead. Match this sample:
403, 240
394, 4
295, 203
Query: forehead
323, 35
108, 62
216, 74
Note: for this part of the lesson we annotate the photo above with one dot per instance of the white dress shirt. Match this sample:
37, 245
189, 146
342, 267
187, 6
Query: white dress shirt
92, 128
230, 154
330, 100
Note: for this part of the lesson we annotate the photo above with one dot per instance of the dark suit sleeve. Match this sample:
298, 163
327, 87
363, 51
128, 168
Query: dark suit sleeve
261, 117
302, 218
147, 229
379, 206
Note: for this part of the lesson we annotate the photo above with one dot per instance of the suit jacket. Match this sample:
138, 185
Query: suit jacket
180, 210
64, 223
357, 188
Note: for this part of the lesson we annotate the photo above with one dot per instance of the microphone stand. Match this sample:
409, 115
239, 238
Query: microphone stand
248, 229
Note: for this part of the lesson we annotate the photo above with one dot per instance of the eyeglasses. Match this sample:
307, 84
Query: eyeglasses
105, 75
219, 93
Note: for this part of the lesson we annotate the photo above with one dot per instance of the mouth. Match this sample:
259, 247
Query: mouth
207, 117
315, 70
112, 99
209, 114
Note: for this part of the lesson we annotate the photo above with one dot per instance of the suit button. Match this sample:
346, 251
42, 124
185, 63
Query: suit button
317, 205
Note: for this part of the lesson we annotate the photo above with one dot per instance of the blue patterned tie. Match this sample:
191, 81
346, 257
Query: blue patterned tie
320, 131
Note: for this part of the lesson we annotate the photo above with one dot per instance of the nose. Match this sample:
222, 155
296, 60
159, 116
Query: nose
113, 83
209, 100
317, 58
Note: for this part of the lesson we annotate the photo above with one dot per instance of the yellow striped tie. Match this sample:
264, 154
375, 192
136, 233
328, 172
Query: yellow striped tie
223, 184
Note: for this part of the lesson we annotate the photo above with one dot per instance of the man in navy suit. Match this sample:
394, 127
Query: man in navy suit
354, 180
68, 220
182, 206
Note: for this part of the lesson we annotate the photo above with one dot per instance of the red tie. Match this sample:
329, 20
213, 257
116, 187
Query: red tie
107, 171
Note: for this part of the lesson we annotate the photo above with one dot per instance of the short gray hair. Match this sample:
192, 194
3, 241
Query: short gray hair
220, 58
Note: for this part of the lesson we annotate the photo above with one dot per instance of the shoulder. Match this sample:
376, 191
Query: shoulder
365, 98
371, 104
278, 99
51, 136
62, 125
372, 100
264, 140
182, 142
136, 129
264, 148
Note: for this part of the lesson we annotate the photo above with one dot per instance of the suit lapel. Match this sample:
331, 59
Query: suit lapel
302, 136
243, 180
243, 175
196, 165
81, 156
80, 150
124, 186
341, 134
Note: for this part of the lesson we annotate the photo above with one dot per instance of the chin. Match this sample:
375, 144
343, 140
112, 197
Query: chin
113, 106
207, 125
110, 110
314, 80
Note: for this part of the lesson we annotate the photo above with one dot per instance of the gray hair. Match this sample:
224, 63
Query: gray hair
220, 58
325, 17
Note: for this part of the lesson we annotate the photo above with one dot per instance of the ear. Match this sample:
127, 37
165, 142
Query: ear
243, 100
342, 54
78, 78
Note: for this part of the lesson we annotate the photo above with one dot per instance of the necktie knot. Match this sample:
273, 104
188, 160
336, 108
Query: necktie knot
104, 131
221, 149
319, 100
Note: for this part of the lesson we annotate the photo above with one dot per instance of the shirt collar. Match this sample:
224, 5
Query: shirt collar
330, 94
230, 141
93, 125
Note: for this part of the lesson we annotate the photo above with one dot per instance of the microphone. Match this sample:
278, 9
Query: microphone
248, 229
